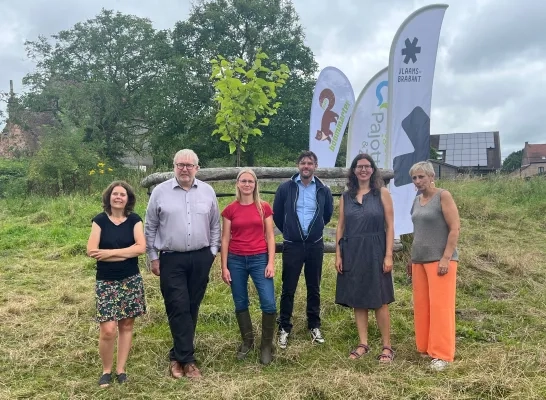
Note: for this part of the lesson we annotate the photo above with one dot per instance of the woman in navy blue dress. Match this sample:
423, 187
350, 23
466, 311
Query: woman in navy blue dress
365, 237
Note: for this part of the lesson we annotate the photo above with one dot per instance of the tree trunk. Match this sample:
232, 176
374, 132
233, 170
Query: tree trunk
222, 174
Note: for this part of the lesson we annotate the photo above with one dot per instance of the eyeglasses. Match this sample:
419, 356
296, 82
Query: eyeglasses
361, 167
189, 167
247, 182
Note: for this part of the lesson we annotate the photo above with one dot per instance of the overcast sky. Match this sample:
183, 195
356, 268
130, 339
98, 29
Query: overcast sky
490, 71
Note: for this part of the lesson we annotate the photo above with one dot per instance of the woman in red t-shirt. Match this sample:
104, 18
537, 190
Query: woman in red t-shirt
248, 248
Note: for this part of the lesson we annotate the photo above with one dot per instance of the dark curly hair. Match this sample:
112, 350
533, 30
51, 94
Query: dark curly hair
307, 154
131, 198
376, 182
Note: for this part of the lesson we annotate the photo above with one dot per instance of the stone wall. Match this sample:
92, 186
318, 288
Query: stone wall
530, 170
14, 142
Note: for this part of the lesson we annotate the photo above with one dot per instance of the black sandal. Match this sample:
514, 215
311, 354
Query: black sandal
121, 378
386, 358
355, 352
105, 380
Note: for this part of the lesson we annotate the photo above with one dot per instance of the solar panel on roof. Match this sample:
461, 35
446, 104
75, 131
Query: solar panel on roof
466, 149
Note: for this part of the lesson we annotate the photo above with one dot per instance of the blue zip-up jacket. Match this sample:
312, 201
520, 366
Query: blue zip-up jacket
286, 217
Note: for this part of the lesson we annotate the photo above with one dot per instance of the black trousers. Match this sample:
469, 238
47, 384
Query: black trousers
183, 281
294, 256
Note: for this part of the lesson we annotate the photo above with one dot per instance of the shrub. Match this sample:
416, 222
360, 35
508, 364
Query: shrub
63, 163
13, 177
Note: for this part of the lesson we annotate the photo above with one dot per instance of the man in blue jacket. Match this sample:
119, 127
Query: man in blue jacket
302, 207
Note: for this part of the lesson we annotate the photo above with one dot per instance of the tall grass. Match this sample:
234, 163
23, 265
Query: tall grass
49, 339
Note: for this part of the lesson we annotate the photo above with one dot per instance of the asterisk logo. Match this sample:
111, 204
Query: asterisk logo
411, 50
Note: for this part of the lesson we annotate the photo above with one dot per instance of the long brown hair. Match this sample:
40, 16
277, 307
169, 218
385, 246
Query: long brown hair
352, 181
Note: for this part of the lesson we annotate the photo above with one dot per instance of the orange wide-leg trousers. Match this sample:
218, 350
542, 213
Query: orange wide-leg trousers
434, 309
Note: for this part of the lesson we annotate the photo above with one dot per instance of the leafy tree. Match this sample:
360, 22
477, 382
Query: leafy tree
238, 29
185, 115
105, 74
433, 154
63, 162
512, 162
244, 97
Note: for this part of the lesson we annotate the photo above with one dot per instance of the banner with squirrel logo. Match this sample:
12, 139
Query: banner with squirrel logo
333, 102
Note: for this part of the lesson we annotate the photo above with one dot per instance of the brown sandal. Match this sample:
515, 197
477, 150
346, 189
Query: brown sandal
356, 354
386, 358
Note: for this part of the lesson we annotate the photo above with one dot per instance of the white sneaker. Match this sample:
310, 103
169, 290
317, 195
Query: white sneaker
283, 339
316, 336
438, 365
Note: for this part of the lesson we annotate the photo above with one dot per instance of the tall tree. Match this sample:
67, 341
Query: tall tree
512, 162
104, 74
238, 29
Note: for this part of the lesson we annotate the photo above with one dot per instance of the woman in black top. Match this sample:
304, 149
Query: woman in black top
116, 241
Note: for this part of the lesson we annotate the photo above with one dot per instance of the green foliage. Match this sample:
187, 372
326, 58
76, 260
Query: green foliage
64, 161
245, 97
512, 162
106, 75
13, 177
433, 154
282, 156
509, 193
240, 29
136, 89
101, 176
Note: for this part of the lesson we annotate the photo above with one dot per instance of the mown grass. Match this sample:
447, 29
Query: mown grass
49, 338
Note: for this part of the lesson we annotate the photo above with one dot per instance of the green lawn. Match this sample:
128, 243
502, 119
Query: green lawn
49, 338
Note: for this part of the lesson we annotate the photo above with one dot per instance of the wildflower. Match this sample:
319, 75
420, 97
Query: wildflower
101, 171
101, 164
110, 170
92, 172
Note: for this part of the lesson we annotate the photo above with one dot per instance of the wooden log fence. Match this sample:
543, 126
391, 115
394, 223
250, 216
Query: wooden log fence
226, 174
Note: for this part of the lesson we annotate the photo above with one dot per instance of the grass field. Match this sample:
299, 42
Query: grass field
49, 338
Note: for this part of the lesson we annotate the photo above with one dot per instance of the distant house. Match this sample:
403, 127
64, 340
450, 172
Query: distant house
443, 170
24, 129
533, 161
476, 152
136, 161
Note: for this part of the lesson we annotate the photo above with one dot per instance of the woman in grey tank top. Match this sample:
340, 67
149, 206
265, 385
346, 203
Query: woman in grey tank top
433, 267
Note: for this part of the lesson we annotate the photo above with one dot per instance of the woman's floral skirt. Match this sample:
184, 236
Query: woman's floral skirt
118, 300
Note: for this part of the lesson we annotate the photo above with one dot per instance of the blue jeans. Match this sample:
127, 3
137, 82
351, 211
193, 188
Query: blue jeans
240, 267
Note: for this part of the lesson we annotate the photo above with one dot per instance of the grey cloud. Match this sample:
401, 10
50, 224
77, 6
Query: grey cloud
480, 92
499, 33
524, 119
350, 26
482, 79
31, 18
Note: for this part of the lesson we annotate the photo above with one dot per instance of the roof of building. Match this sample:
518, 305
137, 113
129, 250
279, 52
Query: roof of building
535, 153
440, 162
469, 150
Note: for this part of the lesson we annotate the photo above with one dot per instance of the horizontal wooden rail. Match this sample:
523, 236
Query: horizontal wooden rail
230, 173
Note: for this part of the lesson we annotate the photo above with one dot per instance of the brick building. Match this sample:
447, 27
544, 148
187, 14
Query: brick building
533, 161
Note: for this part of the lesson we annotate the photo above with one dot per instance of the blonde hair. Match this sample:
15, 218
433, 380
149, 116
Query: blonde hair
255, 193
424, 166
186, 153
